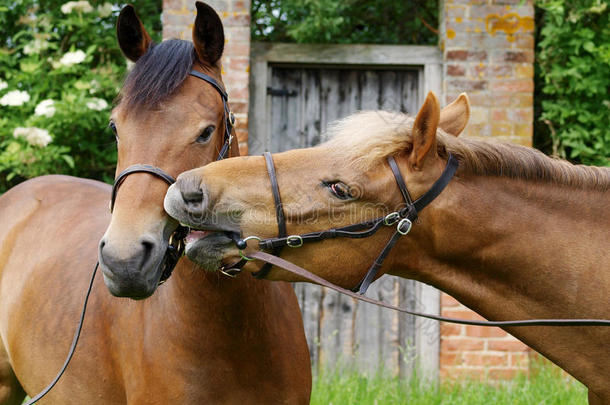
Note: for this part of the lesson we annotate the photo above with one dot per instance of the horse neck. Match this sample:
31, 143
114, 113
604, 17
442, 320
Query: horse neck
536, 245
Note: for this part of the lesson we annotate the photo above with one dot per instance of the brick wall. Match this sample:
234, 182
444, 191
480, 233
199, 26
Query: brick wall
488, 48
178, 18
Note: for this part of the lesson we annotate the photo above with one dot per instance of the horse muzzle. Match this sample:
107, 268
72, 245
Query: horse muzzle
136, 271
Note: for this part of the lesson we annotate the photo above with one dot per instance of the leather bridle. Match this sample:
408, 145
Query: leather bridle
175, 247
402, 219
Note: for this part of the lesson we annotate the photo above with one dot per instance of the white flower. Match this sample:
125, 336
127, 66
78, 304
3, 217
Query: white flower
97, 104
46, 108
35, 46
70, 6
15, 98
72, 58
3, 85
104, 10
34, 136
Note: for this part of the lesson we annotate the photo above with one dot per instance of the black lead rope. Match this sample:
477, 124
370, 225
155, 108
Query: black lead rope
72, 347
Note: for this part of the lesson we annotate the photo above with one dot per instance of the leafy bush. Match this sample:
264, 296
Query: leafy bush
348, 21
60, 69
574, 75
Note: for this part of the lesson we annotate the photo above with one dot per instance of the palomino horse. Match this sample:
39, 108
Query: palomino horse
201, 339
514, 235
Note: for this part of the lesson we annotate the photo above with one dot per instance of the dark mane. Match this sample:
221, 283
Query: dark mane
157, 74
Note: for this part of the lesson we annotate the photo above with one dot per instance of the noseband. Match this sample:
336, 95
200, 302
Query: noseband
401, 219
175, 247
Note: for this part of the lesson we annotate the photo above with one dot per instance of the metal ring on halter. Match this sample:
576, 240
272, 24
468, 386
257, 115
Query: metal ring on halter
230, 272
391, 218
402, 222
298, 241
241, 253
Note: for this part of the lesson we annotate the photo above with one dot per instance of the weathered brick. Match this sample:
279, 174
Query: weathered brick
456, 55
521, 56
520, 85
506, 345
519, 360
450, 330
499, 114
177, 20
525, 71
466, 85
456, 70
524, 41
480, 331
462, 312
479, 114
461, 343
446, 299
486, 359
522, 99
501, 128
502, 373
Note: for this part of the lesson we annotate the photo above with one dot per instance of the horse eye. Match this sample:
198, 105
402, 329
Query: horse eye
206, 134
112, 126
340, 190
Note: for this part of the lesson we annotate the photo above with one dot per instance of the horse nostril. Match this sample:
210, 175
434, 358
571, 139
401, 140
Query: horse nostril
192, 196
148, 248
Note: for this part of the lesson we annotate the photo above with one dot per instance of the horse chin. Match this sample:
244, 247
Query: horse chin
130, 289
207, 249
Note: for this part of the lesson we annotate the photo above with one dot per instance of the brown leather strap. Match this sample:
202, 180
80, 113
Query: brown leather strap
299, 271
279, 213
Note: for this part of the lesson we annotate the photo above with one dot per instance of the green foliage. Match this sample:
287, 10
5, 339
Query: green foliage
349, 21
546, 385
65, 52
574, 75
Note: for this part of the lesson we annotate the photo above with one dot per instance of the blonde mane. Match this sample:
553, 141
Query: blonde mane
366, 138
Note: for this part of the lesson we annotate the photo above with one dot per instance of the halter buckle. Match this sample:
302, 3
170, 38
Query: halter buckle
404, 226
294, 241
391, 218
232, 119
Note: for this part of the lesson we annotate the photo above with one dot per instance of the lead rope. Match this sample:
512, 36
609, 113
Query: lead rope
72, 347
299, 271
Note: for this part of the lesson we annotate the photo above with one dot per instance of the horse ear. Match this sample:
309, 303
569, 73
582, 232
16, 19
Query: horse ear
208, 34
424, 131
455, 116
131, 34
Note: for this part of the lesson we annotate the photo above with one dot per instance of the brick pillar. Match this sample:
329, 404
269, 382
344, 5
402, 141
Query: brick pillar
488, 48
178, 18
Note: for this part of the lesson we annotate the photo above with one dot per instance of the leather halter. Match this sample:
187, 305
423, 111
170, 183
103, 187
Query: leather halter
402, 219
175, 247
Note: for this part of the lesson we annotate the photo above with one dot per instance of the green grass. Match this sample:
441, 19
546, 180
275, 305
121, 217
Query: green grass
546, 386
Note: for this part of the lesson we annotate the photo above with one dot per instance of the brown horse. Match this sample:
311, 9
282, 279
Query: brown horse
201, 338
515, 235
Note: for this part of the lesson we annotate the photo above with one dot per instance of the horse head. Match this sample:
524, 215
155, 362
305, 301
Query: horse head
169, 118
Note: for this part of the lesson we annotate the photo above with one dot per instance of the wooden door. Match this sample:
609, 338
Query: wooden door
290, 106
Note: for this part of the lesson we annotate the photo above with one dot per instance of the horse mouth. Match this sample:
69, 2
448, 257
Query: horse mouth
210, 248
